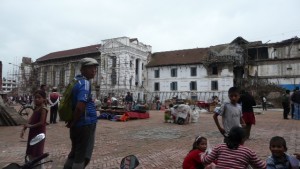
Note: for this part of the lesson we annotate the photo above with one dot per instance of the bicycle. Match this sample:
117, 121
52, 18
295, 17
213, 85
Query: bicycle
25, 110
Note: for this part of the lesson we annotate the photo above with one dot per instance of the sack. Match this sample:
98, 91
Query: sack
65, 111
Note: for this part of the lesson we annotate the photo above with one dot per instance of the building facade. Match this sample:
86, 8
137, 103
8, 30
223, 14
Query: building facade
8, 85
121, 67
57, 69
127, 65
197, 74
276, 63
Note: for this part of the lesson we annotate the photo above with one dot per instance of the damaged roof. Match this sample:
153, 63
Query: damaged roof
69, 53
179, 57
286, 42
240, 41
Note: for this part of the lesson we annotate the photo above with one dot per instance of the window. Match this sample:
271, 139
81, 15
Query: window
113, 71
173, 86
156, 73
193, 85
62, 77
174, 72
130, 82
193, 71
214, 70
156, 86
214, 85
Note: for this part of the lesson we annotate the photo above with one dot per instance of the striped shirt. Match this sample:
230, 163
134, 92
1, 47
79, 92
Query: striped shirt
238, 159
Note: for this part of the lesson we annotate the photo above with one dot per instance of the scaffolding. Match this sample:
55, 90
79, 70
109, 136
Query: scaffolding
121, 70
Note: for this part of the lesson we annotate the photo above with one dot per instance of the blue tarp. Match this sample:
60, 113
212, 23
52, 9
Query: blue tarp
290, 87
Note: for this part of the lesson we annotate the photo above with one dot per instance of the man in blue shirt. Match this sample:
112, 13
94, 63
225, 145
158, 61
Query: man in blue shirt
83, 125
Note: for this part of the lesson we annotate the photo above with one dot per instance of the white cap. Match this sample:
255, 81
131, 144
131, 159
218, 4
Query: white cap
88, 62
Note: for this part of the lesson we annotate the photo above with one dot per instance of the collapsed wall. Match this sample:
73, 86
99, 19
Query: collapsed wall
9, 116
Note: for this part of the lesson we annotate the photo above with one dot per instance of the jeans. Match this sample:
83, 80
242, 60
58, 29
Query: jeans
296, 111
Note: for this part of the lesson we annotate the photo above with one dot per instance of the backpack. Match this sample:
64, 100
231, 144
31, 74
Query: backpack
65, 107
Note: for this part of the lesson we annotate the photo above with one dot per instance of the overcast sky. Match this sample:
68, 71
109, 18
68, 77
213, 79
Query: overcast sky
34, 28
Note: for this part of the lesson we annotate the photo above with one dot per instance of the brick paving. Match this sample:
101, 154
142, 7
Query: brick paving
156, 144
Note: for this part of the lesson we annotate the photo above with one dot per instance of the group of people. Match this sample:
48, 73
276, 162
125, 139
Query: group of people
127, 102
237, 120
82, 129
26, 98
291, 104
234, 154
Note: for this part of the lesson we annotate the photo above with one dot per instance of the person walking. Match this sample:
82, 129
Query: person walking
292, 107
264, 103
247, 101
285, 101
83, 125
43, 87
128, 101
296, 100
53, 101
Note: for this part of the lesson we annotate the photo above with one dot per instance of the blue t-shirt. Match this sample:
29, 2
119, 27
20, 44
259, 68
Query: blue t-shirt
82, 93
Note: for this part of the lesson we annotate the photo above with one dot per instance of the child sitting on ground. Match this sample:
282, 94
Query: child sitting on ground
279, 159
167, 116
233, 153
192, 160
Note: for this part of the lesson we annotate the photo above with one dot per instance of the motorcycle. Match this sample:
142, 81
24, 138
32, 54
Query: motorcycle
33, 163
128, 162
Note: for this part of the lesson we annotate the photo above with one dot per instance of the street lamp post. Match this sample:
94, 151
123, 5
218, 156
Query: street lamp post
17, 69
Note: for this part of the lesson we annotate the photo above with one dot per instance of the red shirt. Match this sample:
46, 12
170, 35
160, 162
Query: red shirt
54, 96
192, 160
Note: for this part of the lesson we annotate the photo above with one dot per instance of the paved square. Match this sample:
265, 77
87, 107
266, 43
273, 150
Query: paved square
156, 144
